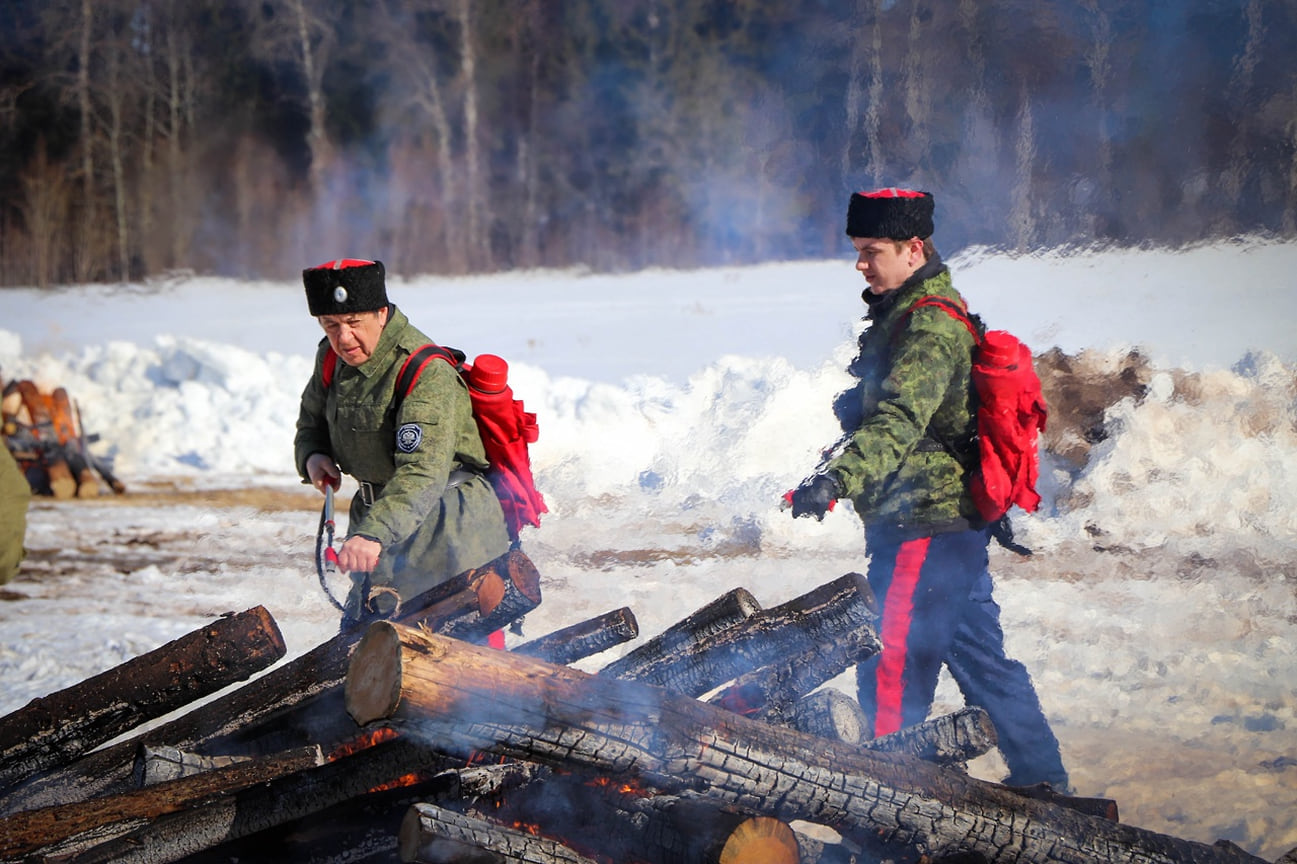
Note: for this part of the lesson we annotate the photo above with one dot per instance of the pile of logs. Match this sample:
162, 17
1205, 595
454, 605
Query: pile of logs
409, 740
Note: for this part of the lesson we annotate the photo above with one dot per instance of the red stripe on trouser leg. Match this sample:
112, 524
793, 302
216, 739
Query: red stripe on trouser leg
898, 615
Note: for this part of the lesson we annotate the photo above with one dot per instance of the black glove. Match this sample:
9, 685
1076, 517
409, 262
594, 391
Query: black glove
815, 496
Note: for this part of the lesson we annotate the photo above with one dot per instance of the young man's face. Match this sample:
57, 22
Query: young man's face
354, 335
887, 263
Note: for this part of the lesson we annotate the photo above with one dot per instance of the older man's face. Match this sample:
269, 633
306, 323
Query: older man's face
354, 335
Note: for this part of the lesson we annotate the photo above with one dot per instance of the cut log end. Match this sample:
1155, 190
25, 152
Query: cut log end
373, 686
761, 840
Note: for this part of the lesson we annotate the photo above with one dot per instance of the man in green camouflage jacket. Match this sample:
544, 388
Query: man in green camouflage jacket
909, 424
425, 510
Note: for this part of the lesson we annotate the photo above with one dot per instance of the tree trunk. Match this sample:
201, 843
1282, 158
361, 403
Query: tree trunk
583, 639
468, 699
723, 612
57, 729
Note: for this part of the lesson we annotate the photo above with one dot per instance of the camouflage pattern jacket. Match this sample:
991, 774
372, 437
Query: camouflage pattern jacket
14, 495
429, 531
912, 408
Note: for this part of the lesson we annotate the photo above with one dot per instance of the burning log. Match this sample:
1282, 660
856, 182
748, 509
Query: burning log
952, 739
830, 714
468, 699
57, 729
622, 821
771, 692
802, 625
28, 831
159, 764
720, 614
295, 695
582, 640
483, 781
379, 762
435, 835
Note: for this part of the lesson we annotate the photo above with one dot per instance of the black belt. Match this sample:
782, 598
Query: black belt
369, 492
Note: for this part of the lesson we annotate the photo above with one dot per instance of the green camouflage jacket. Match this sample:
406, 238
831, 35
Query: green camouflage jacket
429, 532
14, 495
912, 405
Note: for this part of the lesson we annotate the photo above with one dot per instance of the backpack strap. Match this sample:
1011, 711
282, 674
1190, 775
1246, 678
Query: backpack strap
417, 362
328, 366
954, 309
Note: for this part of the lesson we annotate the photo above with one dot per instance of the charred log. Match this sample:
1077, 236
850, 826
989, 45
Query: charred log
801, 625
771, 693
57, 729
469, 699
25, 832
1104, 808
484, 781
584, 639
266, 805
507, 589
623, 822
156, 765
830, 714
951, 739
720, 614
297, 703
435, 835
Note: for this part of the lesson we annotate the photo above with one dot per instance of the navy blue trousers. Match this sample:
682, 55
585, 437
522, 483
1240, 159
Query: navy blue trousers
936, 607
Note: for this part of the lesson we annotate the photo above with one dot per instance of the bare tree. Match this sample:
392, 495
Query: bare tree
306, 32
918, 99
82, 250
416, 71
1238, 164
1022, 220
478, 197
46, 192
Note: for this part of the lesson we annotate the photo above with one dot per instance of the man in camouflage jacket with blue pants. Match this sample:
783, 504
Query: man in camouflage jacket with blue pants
425, 511
909, 425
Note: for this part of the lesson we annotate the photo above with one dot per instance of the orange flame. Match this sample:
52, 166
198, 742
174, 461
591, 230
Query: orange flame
363, 741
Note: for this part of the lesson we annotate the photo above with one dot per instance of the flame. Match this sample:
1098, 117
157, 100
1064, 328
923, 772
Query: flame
401, 782
528, 827
363, 741
625, 787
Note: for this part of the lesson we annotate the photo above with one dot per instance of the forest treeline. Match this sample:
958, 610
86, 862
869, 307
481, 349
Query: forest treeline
255, 137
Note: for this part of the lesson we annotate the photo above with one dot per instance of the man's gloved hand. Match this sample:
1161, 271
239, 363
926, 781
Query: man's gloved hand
815, 497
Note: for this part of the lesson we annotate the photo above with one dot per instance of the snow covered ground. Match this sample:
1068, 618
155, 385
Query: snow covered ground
1158, 616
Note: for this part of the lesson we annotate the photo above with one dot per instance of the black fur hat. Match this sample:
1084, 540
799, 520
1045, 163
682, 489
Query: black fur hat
344, 286
897, 214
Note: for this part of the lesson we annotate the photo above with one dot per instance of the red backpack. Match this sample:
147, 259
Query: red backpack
506, 429
1011, 411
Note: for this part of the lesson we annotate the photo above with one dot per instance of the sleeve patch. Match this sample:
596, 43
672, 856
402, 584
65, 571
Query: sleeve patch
409, 437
